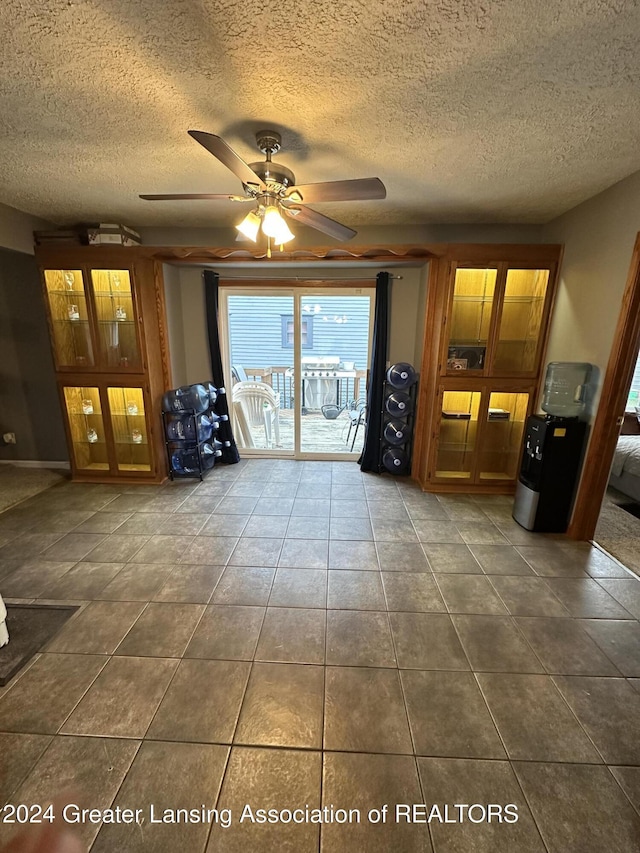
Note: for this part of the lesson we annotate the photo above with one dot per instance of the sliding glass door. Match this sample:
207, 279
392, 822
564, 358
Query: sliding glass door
298, 360
260, 339
335, 335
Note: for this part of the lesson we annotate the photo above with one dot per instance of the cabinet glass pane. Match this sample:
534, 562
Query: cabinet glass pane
500, 451
457, 436
69, 318
87, 431
116, 318
470, 318
521, 320
126, 406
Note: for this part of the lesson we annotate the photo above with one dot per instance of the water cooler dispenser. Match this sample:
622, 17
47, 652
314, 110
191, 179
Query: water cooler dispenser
553, 446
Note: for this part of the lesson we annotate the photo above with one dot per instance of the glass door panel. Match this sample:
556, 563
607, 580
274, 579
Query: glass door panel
334, 338
521, 321
69, 318
457, 435
117, 325
261, 357
502, 437
126, 407
84, 415
470, 323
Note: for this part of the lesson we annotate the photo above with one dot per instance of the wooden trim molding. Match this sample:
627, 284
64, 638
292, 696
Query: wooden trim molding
235, 254
50, 253
605, 430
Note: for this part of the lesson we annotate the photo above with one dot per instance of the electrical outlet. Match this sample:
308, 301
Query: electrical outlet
9, 438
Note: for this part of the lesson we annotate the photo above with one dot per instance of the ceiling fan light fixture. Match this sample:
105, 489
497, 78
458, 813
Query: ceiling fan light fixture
274, 226
284, 234
250, 226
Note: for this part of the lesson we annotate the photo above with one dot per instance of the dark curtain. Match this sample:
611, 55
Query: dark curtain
370, 458
225, 433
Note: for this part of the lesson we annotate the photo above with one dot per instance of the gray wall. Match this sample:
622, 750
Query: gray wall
599, 236
29, 403
175, 325
16, 229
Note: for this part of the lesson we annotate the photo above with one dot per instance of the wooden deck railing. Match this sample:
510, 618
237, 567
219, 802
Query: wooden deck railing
350, 389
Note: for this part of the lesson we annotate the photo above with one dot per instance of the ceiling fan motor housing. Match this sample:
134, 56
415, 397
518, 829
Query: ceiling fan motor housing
276, 176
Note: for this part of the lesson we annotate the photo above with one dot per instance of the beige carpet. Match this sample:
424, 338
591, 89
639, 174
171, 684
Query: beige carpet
618, 532
17, 484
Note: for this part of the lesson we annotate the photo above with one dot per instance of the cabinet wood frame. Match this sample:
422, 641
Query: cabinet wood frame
152, 374
435, 378
485, 387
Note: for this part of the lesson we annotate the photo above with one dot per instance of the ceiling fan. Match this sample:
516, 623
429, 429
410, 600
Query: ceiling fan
273, 190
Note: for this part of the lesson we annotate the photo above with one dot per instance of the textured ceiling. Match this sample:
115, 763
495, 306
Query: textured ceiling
469, 110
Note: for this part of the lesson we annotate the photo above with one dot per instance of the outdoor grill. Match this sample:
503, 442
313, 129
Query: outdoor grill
321, 378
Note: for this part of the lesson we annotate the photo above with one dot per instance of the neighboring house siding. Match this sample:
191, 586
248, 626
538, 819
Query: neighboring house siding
255, 325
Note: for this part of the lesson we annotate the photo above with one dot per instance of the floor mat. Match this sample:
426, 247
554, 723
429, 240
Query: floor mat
30, 627
18, 483
618, 529
633, 508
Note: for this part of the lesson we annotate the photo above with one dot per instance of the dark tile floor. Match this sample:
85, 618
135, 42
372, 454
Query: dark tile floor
290, 634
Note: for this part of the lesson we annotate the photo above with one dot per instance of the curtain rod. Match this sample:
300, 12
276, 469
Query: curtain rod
224, 277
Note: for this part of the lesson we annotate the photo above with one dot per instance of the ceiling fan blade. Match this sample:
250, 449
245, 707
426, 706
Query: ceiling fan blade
359, 189
322, 223
219, 148
215, 196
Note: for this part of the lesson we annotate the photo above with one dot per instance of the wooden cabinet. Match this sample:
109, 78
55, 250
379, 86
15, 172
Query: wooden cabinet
107, 323
487, 322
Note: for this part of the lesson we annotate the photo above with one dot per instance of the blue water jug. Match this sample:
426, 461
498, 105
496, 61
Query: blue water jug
212, 391
187, 398
209, 452
184, 460
564, 388
205, 425
399, 404
216, 420
175, 428
190, 427
401, 375
396, 432
395, 460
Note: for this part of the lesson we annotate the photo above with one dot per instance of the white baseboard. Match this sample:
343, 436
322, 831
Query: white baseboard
35, 463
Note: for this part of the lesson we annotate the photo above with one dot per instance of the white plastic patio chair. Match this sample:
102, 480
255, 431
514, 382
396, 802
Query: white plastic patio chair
357, 414
259, 406
4, 634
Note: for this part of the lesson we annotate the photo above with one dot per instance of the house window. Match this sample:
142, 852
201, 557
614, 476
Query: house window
306, 331
633, 400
